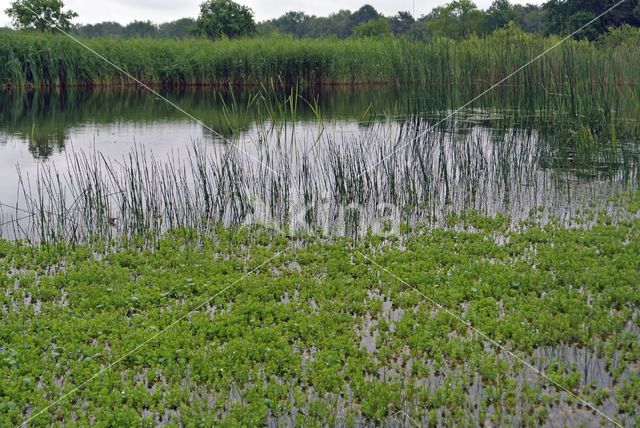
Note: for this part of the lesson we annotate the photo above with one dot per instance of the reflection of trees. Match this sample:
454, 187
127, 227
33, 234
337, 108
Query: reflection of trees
36, 117
43, 118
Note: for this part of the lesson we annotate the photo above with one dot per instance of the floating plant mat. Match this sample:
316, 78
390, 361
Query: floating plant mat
320, 334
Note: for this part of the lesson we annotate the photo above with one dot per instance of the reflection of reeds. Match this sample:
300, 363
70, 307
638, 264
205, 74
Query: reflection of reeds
334, 181
44, 118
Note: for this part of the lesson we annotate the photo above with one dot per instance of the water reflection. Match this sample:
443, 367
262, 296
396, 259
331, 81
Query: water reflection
47, 120
326, 145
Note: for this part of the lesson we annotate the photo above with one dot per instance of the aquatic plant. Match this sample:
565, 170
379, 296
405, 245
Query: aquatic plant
321, 335
442, 64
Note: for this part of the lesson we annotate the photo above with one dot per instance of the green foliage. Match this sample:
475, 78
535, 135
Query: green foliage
531, 18
623, 36
402, 23
301, 25
319, 329
179, 29
457, 20
564, 16
140, 29
363, 15
102, 29
41, 15
340, 24
38, 60
291, 23
567, 16
500, 14
224, 18
374, 28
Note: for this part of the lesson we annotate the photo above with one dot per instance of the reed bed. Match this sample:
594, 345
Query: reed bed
32, 60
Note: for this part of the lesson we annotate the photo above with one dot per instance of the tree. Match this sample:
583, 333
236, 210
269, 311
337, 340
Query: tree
365, 14
224, 18
338, 23
101, 29
178, 29
140, 29
41, 15
294, 23
531, 18
373, 28
457, 20
500, 14
567, 16
301, 25
420, 29
401, 23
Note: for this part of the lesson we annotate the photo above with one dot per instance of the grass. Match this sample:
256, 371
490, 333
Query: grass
45, 60
320, 335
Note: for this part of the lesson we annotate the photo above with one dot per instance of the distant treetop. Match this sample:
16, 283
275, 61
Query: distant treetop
40, 15
457, 19
219, 18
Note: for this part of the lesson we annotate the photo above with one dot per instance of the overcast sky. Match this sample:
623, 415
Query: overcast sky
125, 11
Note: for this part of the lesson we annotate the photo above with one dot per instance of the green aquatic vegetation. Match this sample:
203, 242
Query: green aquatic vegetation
629, 395
320, 335
629, 201
51, 60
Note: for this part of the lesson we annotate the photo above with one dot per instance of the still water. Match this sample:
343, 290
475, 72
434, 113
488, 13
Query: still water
327, 158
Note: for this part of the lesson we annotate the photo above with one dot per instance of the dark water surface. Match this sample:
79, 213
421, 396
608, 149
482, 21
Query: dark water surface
359, 156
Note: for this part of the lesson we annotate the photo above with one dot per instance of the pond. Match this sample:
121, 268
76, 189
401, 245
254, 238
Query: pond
339, 160
334, 324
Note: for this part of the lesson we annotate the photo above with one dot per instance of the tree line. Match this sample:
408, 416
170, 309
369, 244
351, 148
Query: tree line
457, 19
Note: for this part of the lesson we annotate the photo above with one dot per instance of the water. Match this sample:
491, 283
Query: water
330, 142
325, 147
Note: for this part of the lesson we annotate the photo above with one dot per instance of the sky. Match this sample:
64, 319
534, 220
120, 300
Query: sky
158, 11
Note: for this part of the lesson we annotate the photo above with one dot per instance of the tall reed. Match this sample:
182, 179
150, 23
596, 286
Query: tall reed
48, 60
